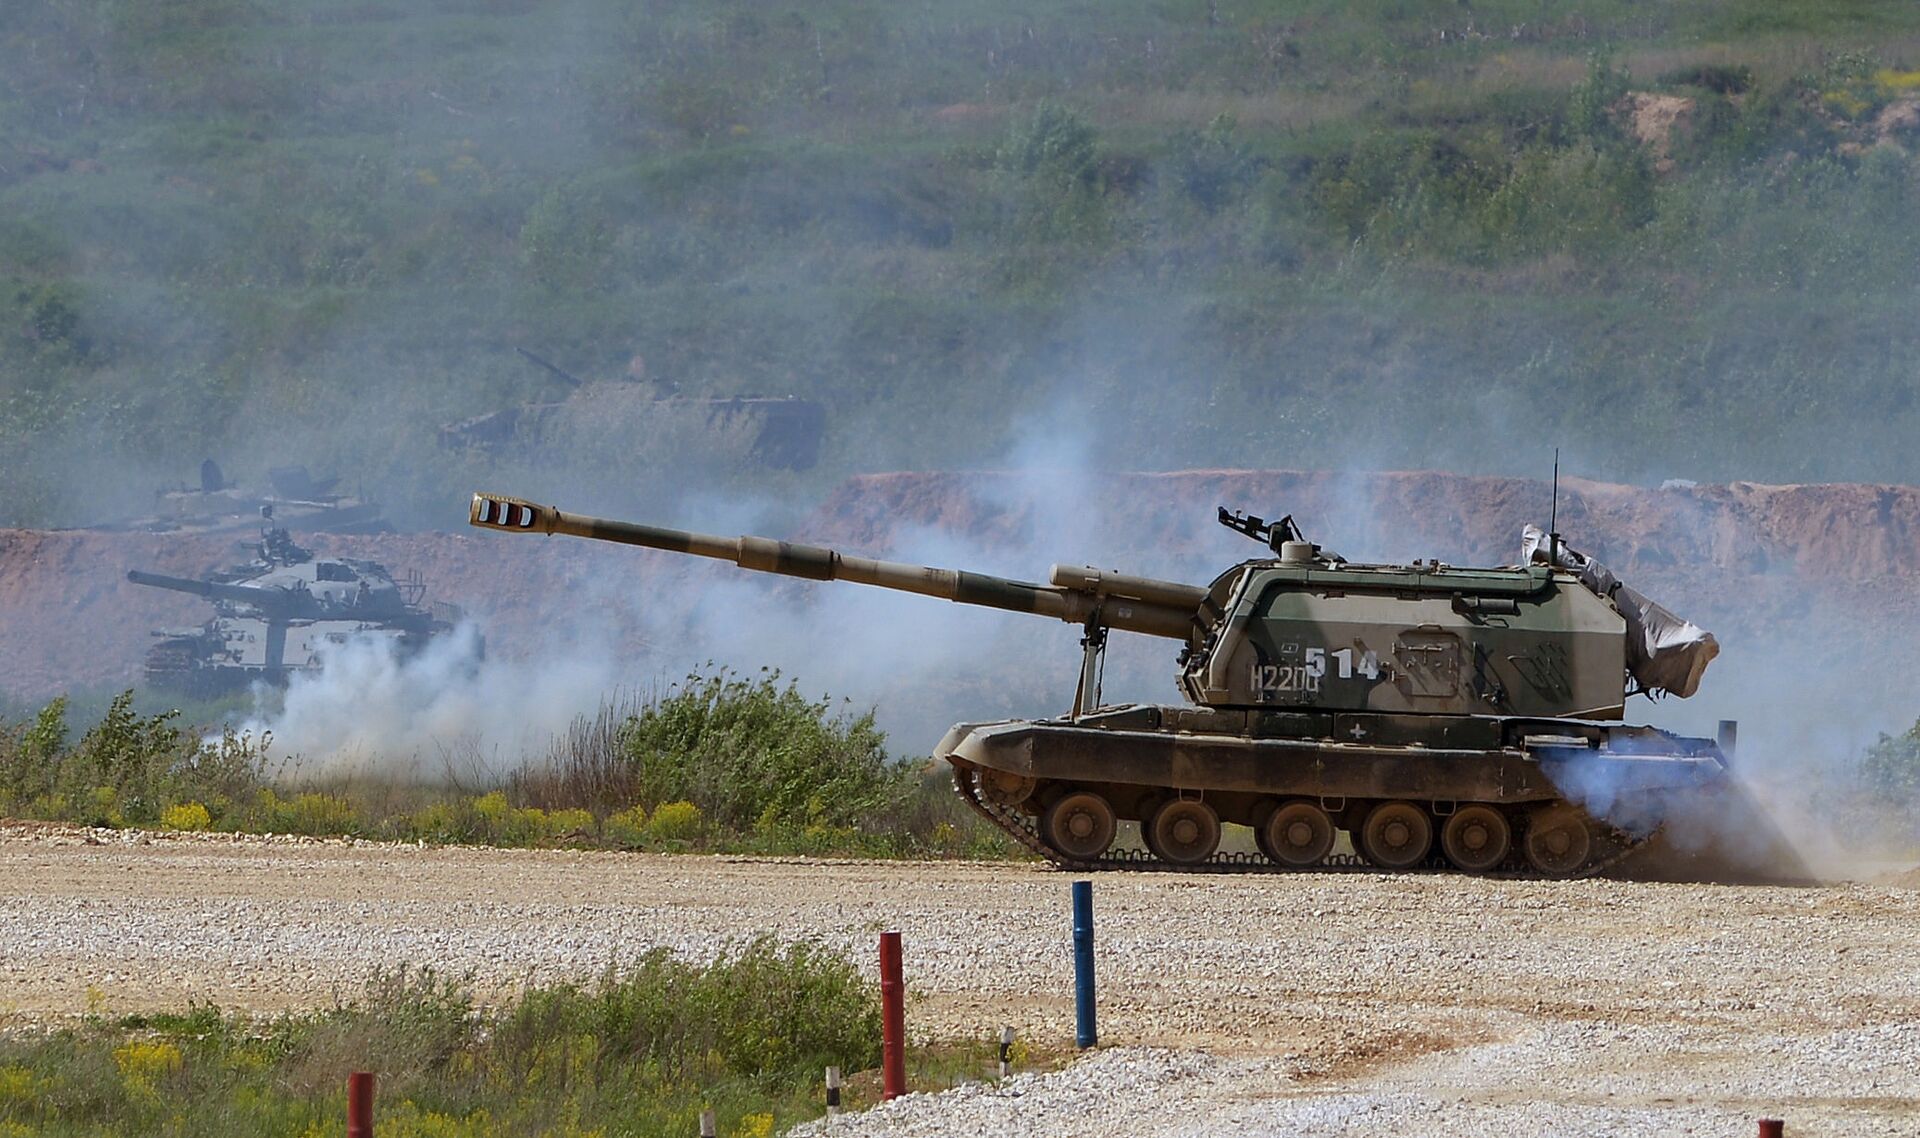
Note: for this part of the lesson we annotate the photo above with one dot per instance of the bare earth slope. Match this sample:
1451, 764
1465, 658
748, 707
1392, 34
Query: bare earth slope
1741, 558
1325, 1003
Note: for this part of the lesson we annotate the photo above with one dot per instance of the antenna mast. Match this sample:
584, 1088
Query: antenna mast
1553, 514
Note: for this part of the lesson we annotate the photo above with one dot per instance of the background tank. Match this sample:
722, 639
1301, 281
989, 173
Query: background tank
1435, 715
279, 613
217, 505
640, 413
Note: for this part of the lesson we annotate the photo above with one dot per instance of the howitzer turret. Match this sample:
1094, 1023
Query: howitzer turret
1398, 703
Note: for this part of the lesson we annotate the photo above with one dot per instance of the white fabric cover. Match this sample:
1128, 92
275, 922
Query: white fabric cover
1665, 654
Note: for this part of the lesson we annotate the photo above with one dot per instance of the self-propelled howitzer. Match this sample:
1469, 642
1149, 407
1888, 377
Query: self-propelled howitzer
1419, 707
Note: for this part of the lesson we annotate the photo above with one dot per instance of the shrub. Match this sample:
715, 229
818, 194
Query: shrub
1896, 82
588, 767
1591, 115
30, 760
450, 822
130, 754
1578, 199
101, 807
143, 1060
565, 240
1050, 163
762, 1011
1053, 143
228, 769
627, 827
20, 1088
1890, 770
310, 813
185, 816
1402, 190
564, 823
492, 818
43, 321
675, 821
1720, 78
1213, 168
744, 750
409, 1025
47, 738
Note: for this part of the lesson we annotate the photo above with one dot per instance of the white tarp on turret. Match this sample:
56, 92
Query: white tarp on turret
1664, 652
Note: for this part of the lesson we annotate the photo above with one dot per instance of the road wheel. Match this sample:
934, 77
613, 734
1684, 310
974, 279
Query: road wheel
1080, 825
1004, 788
1477, 838
1558, 840
1396, 835
1297, 834
1183, 832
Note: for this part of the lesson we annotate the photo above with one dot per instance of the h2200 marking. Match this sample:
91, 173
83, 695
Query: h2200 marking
1285, 679
1274, 680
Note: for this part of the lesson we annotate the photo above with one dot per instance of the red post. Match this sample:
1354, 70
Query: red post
1772, 1128
893, 1019
360, 1104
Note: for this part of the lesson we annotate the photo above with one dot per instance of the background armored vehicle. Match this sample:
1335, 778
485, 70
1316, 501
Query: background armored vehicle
640, 413
1437, 715
298, 499
278, 614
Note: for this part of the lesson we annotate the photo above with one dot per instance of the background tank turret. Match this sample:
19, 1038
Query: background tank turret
217, 505
1432, 715
278, 614
638, 410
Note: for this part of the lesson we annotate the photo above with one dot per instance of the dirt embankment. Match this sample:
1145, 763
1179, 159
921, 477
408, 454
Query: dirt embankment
1738, 556
1848, 531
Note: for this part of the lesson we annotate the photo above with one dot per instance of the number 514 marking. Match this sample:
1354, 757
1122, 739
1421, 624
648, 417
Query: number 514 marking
1344, 663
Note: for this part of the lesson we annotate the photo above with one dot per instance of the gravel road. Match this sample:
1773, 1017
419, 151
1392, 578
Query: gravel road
1312, 1004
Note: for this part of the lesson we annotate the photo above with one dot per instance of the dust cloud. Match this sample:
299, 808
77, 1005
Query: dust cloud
448, 711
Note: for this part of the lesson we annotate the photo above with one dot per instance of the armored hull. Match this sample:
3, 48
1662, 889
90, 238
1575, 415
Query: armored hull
1478, 794
231, 653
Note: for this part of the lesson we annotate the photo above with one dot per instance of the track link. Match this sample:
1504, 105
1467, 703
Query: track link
1022, 829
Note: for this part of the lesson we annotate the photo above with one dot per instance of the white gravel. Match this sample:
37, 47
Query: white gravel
1113, 1091
1573, 1078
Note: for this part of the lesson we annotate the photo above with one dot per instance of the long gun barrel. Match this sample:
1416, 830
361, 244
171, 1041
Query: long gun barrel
212, 590
1077, 595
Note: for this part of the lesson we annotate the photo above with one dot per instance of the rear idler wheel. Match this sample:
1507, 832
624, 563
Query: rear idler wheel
1476, 838
1183, 832
1558, 841
1396, 835
1080, 825
1298, 834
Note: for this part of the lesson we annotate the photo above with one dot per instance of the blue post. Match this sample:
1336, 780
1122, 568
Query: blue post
1084, 1034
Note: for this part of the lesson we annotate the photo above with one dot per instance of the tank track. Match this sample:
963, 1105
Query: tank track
1023, 829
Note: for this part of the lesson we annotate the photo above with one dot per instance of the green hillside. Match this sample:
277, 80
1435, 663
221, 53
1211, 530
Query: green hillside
1167, 232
